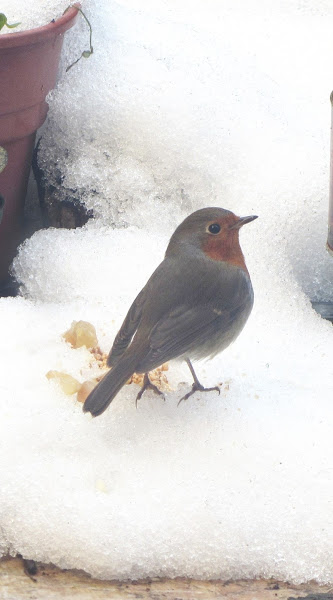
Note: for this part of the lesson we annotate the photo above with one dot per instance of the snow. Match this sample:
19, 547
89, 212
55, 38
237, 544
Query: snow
31, 14
182, 105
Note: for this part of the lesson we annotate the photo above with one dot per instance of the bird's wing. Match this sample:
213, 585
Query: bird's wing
127, 329
186, 330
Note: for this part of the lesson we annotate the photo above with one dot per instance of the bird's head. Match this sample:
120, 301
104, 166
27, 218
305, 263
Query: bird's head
213, 231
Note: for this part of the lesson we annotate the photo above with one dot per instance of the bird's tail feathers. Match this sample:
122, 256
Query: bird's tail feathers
106, 390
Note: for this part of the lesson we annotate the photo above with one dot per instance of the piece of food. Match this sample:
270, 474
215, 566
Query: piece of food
157, 377
68, 384
81, 333
85, 389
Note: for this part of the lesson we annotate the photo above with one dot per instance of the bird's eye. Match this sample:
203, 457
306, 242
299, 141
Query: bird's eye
214, 228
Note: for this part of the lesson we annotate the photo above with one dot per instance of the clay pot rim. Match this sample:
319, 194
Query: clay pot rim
40, 34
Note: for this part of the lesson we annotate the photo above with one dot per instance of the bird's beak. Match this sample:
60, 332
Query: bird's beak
242, 221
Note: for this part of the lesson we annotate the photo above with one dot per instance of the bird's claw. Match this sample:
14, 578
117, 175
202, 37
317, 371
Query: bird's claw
199, 388
148, 385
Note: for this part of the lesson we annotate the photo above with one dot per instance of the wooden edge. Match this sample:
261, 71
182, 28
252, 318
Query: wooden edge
49, 582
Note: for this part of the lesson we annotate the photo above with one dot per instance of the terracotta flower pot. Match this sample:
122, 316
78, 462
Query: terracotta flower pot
29, 63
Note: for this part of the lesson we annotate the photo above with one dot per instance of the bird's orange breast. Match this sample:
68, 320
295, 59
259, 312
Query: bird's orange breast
226, 249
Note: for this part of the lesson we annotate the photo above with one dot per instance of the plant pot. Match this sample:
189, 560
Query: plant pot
29, 63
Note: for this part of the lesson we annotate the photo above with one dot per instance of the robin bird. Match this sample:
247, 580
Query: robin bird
193, 306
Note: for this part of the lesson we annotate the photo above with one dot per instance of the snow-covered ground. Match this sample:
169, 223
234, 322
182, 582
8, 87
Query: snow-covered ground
182, 105
27, 15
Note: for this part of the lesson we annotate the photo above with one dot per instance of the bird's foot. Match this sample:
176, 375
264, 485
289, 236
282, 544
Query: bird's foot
148, 385
197, 387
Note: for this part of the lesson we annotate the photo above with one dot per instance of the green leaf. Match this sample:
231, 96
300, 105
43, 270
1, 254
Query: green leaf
3, 158
2, 206
3, 20
12, 25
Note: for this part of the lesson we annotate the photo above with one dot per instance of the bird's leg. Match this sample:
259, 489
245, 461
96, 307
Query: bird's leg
196, 386
148, 385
